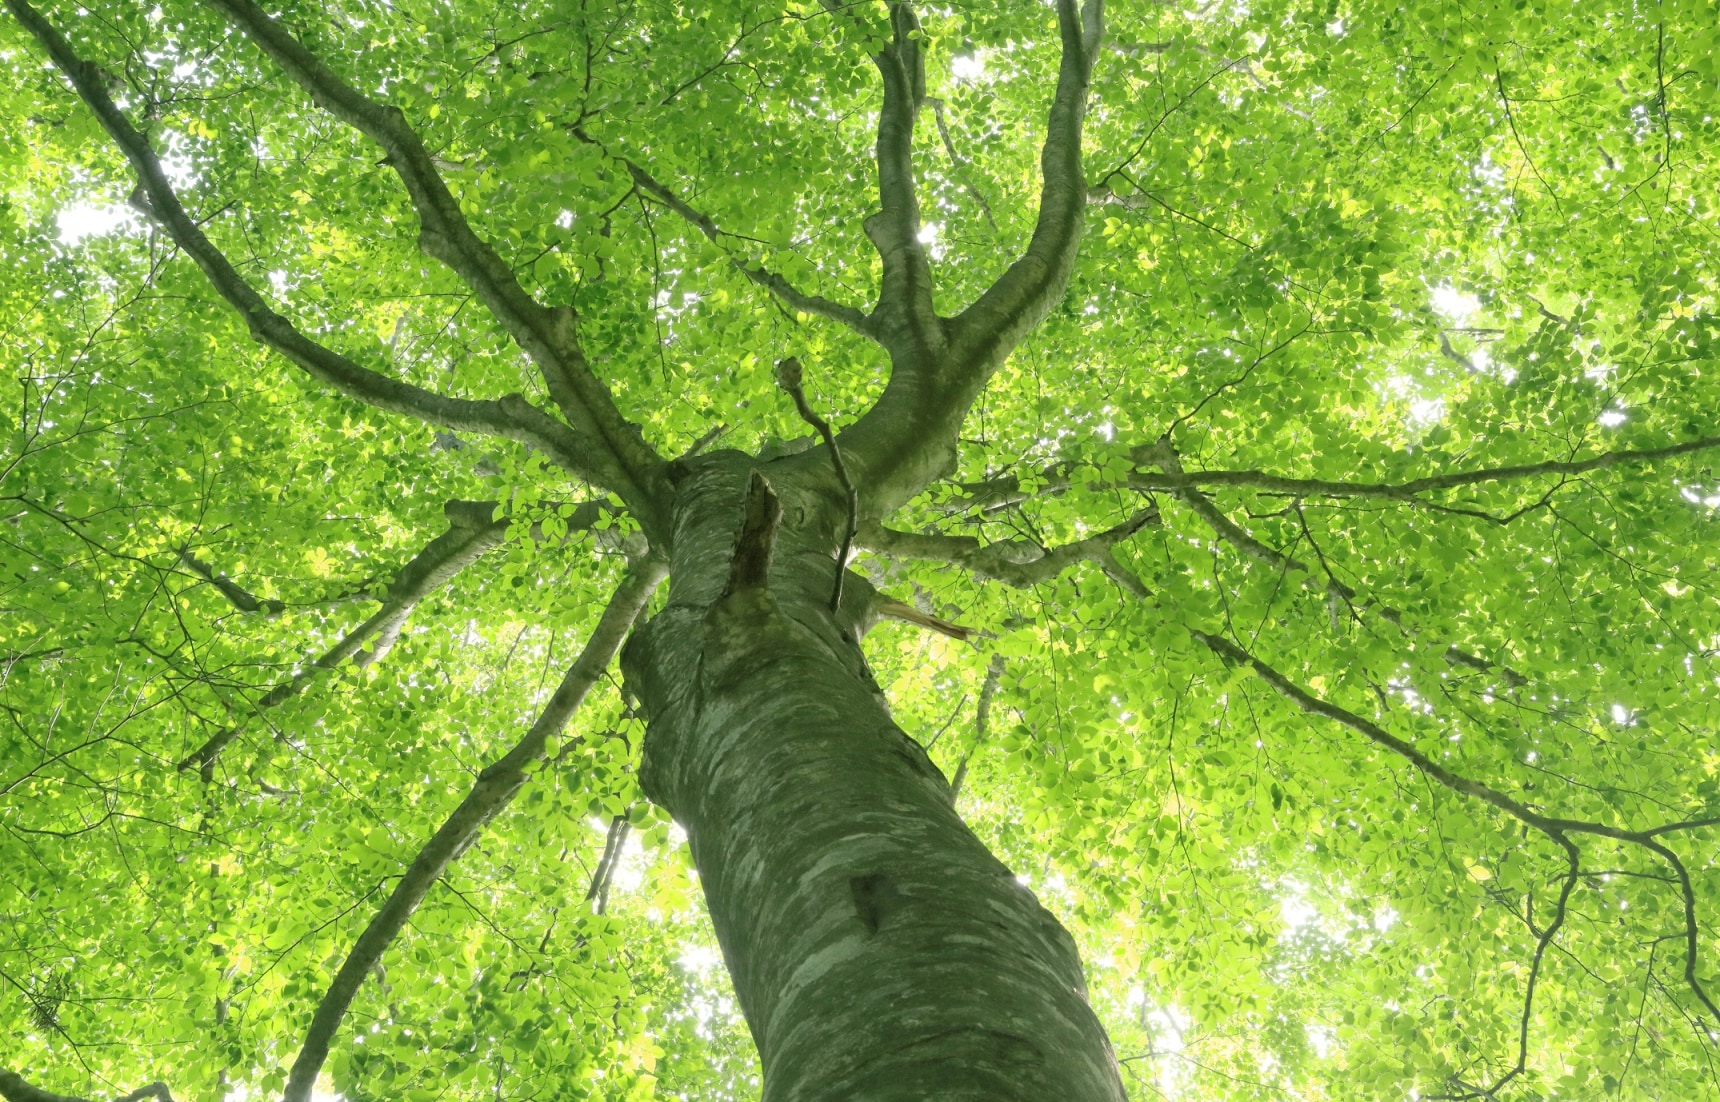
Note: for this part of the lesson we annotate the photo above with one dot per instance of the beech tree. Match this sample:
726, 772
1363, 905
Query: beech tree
845, 551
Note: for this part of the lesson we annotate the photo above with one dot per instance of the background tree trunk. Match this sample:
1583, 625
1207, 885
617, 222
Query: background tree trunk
878, 950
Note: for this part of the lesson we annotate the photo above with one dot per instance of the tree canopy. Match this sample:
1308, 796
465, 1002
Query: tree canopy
1320, 614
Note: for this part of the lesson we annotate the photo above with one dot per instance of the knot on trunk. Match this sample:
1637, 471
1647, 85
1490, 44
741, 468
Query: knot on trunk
875, 896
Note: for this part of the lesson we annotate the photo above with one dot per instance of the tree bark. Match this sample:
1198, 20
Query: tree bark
878, 950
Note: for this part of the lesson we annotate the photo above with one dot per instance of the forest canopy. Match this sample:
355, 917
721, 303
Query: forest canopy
1310, 597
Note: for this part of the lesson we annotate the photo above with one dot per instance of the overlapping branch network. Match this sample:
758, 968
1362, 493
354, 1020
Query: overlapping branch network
603, 445
494, 789
1557, 828
1161, 470
1149, 474
472, 531
595, 441
939, 366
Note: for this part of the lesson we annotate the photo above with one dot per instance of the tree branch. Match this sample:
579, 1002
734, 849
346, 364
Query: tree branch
888, 608
938, 368
981, 720
905, 293
465, 541
788, 377
1554, 827
992, 494
1543, 939
763, 277
958, 163
240, 597
1336, 589
511, 417
613, 843
1016, 563
1101, 194
608, 444
495, 788
1004, 490
246, 601
1025, 293
13, 1088
1404, 491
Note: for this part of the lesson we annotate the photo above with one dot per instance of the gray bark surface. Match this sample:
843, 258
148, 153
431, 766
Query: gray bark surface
878, 950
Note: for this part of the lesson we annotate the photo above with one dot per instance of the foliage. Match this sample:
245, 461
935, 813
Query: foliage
1352, 242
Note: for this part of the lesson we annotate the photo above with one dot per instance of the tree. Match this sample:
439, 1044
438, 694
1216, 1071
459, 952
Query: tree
1281, 527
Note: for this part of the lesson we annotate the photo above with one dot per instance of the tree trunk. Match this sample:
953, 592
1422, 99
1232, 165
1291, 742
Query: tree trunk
878, 950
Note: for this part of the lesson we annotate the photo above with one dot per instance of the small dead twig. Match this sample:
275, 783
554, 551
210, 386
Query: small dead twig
788, 377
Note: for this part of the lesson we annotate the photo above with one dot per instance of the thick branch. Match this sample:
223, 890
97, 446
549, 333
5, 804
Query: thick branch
510, 417
763, 277
13, 1088
905, 294
992, 494
1014, 562
1026, 292
495, 788
246, 601
612, 448
888, 608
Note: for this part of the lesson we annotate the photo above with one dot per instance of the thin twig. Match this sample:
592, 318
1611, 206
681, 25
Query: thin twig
789, 377
981, 721
613, 843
